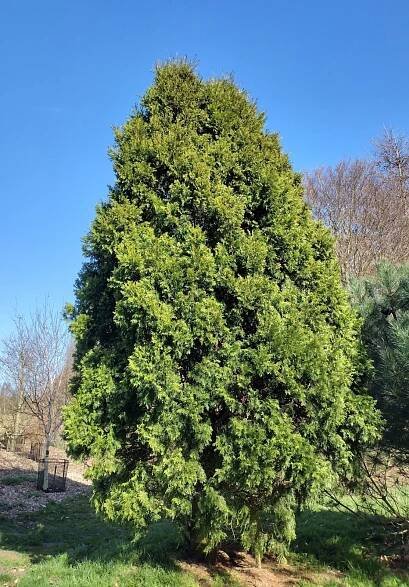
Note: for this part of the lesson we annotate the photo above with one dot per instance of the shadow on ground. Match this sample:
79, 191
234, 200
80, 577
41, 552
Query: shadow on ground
71, 527
66, 543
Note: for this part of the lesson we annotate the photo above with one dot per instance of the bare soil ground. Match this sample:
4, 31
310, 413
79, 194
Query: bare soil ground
18, 475
243, 569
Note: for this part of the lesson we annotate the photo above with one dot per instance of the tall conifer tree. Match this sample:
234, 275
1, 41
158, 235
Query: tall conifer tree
215, 345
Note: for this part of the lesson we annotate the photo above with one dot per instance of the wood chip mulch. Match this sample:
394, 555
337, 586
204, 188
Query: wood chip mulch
18, 492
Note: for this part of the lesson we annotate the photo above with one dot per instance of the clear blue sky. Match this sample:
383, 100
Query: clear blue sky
329, 75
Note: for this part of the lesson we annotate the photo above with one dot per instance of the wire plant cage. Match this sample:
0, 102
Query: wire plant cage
57, 475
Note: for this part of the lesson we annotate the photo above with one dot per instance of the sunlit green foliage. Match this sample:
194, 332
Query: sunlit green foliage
216, 346
383, 302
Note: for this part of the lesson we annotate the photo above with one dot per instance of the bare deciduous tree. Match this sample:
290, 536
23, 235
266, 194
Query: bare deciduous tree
365, 204
36, 360
392, 158
14, 362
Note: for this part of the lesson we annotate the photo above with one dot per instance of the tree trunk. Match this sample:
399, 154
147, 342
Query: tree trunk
47, 447
46, 462
20, 400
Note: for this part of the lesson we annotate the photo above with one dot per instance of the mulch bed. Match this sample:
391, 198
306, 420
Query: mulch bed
18, 492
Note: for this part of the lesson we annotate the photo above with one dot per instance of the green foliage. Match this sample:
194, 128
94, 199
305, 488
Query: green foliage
383, 302
215, 345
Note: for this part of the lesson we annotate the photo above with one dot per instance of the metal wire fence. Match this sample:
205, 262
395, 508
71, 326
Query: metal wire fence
20, 444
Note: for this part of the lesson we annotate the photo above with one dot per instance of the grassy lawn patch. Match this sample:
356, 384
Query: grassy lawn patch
18, 479
67, 545
356, 546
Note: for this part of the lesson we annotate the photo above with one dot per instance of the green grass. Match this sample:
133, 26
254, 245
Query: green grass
350, 544
68, 545
17, 479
